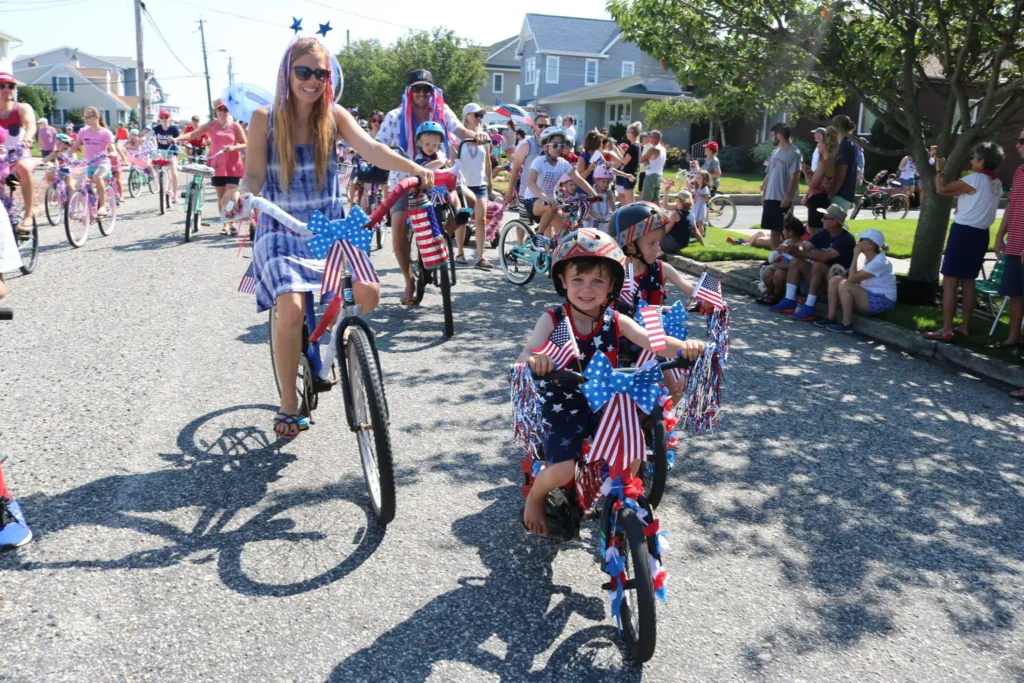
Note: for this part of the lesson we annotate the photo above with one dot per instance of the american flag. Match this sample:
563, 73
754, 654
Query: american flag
652, 323
432, 247
248, 283
620, 438
561, 345
709, 291
628, 287
334, 272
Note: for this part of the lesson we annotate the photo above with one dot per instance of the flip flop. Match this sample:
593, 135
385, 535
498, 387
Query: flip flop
462, 260
300, 422
1005, 345
935, 336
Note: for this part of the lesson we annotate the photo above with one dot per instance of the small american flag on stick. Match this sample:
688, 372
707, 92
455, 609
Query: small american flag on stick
709, 290
652, 323
248, 283
561, 345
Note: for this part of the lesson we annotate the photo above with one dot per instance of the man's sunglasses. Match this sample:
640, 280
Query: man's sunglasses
422, 88
304, 73
9, 86
1020, 141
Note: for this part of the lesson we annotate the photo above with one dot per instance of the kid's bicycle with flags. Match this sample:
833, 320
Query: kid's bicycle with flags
339, 347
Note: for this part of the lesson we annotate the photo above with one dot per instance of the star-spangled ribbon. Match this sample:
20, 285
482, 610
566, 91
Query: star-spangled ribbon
349, 229
603, 381
674, 321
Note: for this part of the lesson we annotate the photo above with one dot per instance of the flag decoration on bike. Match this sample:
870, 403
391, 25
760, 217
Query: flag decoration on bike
651, 317
248, 283
427, 231
628, 286
619, 439
560, 345
345, 236
709, 290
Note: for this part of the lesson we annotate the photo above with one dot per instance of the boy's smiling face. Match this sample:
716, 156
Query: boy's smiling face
587, 291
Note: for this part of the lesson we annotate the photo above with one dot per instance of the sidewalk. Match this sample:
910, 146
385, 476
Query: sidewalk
743, 276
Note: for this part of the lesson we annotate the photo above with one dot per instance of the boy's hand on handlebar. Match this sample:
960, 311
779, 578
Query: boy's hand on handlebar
541, 364
691, 349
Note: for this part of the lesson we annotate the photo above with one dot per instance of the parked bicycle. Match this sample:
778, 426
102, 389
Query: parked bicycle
341, 349
83, 205
28, 242
885, 196
522, 253
721, 210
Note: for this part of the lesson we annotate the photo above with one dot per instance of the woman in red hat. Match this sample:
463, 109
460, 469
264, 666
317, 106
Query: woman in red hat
227, 140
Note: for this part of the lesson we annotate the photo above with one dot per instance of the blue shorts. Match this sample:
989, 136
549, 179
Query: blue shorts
528, 206
879, 303
103, 169
965, 252
1013, 276
908, 182
401, 205
479, 191
624, 183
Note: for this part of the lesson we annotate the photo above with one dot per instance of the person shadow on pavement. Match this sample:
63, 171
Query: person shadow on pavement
510, 604
222, 468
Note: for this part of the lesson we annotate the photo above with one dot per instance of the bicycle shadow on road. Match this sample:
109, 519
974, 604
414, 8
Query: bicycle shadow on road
224, 466
506, 609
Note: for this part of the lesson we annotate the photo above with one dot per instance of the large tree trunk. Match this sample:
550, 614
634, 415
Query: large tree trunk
929, 243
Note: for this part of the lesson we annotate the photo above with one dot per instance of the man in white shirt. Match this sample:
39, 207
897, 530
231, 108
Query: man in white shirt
427, 104
819, 135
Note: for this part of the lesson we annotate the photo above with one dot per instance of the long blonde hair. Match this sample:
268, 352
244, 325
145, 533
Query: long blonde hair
322, 129
99, 117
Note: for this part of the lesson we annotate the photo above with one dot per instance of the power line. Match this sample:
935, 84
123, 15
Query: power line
164, 40
231, 14
363, 16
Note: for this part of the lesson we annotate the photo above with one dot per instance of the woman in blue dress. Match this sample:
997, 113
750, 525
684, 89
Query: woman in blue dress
290, 161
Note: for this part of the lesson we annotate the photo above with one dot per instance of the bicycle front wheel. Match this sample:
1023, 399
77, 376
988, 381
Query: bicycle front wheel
721, 212
369, 420
190, 213
655, 470
164, 184
76, 219
897, 207
29, 249
53, 205
134, 183
446, 299
511, 255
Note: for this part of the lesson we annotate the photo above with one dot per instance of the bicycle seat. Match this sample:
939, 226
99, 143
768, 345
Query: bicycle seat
12, 182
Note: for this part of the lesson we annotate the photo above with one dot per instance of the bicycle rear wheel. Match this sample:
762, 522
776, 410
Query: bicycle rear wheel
518, 271
29, 249
76, 219
897, 207
134, 183
53, 205
164, 184
368, 418
190, 213
446, 299
721, 212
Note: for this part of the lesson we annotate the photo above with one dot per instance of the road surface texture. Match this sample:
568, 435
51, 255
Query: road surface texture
857, 517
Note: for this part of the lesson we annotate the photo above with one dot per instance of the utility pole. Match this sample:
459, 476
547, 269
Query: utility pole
348, 37
206, 68
231, 74
140, 69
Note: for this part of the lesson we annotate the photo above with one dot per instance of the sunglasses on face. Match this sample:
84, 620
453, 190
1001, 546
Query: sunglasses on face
421, 89
165, 118
304, 73
8, 86
556, 145
374, 120
1020, 141
478, 114
222, 109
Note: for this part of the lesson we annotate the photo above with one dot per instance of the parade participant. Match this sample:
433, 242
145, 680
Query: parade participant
477, 174
227, 140
421, 102
19, 120
166, 134
588, 271
527, 150
59, 158
97, 144
290, 160
545, 172
639, 229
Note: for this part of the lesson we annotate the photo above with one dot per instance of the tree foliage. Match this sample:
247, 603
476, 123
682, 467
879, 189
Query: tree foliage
375, 76
39, 98
133, 118
808, 56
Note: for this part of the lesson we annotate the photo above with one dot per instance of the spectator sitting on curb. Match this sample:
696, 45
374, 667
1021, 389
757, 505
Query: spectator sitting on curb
1010, 247
870, 290
979, 193
773, 274
833, 246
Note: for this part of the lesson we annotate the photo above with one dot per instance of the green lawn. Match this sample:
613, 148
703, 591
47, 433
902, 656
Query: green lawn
718, 249
738, 183
929, 318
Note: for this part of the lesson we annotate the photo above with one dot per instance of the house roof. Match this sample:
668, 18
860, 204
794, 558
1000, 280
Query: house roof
504, 61
569, 35
123, 62
628, 86
39, 73
72, 50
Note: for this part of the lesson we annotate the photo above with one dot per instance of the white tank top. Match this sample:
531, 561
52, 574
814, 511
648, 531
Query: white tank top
657, 165
524, 173
473, 158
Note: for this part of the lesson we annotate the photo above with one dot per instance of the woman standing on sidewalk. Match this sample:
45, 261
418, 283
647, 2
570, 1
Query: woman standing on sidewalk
979, 193
820, 181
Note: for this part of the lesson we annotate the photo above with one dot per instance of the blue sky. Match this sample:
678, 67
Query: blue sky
255, 39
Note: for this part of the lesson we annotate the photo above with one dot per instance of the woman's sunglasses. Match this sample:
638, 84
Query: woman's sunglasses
304, 73
222, 109
478, 114
374, 120
8, 86
1020, 141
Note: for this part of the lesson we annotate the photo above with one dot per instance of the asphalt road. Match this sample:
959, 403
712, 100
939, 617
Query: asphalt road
857, 517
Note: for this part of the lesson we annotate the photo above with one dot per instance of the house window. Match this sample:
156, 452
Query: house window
628, 69
972, 106
531, 70
498, 83
620, 112
62, 83
867, 119
58, 117
590, 77
551, 69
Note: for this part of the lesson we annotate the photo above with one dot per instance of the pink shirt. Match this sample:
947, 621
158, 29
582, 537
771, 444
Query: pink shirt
228, 164
95, 141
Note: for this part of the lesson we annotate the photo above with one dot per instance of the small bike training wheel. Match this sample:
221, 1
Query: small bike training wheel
134, 183
76, 219
446, 300
721, 212
517, 270
53, 205
368, 418
638, 612
29, 249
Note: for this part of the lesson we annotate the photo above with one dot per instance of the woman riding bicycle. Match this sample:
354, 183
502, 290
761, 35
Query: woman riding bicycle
166, 134
227, 140
290, 160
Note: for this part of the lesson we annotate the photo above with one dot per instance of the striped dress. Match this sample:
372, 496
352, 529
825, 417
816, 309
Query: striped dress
282, 260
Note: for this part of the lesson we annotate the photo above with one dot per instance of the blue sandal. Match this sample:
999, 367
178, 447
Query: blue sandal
301, 422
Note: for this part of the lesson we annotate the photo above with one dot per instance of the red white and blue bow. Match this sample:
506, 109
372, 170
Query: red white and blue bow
619, 439
346, 236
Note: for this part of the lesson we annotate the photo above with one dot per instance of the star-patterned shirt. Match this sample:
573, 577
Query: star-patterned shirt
604, 338
651, 285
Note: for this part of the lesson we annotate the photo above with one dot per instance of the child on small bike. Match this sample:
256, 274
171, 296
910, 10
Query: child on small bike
588, 270
429, 137
601, 212
544, 174
57, 159
639, 229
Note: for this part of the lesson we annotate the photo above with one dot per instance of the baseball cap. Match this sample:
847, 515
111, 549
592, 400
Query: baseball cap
818, 131
417, 76
875, 236
133, 131
163, 113
471, 108
713, 146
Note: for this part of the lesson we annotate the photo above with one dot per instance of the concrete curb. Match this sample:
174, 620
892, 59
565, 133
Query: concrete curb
879, 330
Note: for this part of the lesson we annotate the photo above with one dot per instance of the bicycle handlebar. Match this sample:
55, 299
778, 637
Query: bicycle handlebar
404, 187
6, 314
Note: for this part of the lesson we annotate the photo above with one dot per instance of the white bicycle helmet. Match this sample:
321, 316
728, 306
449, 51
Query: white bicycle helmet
549, 132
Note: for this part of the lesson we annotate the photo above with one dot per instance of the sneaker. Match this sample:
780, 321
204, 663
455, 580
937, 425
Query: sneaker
840, 328
15, 533
804, 314
822, 321
787, 306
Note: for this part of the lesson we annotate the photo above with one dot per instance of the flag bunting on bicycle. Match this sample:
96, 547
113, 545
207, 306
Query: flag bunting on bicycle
427, 231
560, 345
709, 290
248, 283
619, 439
354, 243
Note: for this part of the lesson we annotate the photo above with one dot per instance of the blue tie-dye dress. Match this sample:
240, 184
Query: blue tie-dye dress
282, 260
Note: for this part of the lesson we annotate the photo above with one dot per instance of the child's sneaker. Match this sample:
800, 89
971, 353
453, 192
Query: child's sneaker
787, 306
14, 532
822, 321
804, 314
840, 328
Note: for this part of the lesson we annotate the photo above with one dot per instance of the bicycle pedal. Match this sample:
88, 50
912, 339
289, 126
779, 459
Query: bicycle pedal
321, 385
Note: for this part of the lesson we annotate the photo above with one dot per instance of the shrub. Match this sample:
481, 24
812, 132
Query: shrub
736, 159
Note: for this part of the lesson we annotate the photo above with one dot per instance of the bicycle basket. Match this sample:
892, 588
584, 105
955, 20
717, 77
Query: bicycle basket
368, 173
198, 169
78, 171
139, 160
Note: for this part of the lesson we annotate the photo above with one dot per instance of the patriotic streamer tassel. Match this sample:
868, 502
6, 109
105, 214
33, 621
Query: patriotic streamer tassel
701, 403
427, 231
527, 421
718, 330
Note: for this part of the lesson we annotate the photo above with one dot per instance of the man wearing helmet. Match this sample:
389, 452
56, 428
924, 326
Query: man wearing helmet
545, 172
421, 102
588, 270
